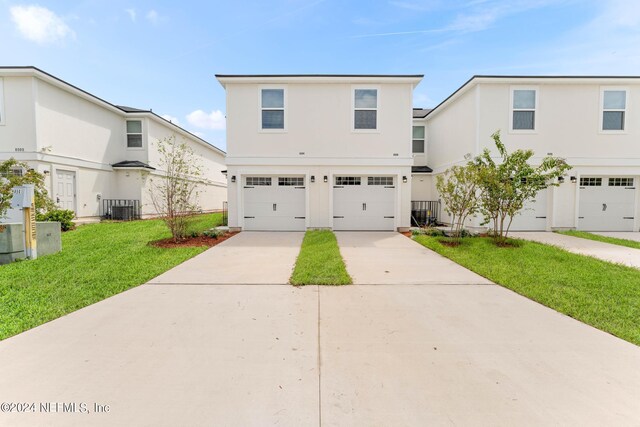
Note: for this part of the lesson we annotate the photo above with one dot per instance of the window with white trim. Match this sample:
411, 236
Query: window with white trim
524, 109
258, 180
380, 180
614, 106
590, 182
365, 114
134, 133
272, 107
291, 181
620, 182
418, 140
348, 180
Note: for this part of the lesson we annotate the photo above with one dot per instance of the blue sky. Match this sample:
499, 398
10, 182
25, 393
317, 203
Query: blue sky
164, 54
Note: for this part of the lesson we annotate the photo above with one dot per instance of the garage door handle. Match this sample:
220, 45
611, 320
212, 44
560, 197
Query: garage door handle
541, 217
249, 217
364, 206
580, 217
338, 217
389, 216
275, 207
299, 217
604, 207
628, 217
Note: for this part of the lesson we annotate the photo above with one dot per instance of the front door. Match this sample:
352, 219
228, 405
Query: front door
66, 190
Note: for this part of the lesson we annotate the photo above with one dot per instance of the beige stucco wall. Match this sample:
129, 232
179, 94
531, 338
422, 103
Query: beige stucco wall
17, 130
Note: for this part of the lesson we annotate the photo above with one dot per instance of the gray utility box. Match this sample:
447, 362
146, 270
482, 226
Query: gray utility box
48, 237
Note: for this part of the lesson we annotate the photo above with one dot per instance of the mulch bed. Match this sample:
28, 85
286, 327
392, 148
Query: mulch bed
192, 241
406, 233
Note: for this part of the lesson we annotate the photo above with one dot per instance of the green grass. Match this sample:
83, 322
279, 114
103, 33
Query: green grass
601, 294
96, 262
615, 241
319, 261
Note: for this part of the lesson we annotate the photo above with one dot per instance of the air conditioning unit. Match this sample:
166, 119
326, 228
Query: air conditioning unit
123, 213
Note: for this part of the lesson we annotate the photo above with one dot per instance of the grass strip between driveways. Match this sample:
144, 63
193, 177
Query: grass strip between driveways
601, 294
319, 261
96, 262
604, 239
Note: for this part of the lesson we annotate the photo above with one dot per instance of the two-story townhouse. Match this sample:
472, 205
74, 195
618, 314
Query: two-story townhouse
592, 122
95, 154
319, 151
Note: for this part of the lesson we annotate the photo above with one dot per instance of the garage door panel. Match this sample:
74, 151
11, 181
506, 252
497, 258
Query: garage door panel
533, 216
274, 207
604, 206
364, 206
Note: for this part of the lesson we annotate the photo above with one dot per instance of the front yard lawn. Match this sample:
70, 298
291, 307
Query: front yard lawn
613, 240
601, 294
319, 261
96, 262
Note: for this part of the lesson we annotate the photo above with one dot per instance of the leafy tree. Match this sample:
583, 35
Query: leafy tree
507, 185
174, 194
458, 188
8, 180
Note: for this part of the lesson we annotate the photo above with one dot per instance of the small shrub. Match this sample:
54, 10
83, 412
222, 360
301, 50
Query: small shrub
213, 233
428, 231
64, 217
194, 234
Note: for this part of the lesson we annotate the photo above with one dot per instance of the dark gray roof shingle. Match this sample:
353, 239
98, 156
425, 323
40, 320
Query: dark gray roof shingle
132, 164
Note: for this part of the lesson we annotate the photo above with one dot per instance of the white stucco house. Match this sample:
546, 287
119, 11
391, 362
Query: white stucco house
319, 151
95, 154
348, 152
592, 122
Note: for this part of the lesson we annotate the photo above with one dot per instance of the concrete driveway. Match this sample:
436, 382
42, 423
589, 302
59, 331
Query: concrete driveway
627, 235
242, 354
604, 251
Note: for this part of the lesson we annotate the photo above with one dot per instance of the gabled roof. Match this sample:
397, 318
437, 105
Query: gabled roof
421, 113
30, 70
527, 80
132, 164
414, 79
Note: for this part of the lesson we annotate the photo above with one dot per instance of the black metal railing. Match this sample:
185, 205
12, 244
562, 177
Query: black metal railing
425, 212
225, 214
120, 209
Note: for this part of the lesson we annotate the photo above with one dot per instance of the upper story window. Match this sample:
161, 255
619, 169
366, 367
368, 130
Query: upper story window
614, 105
134, 133
365, 104
524, 109
1, 102
272, 105
418, 139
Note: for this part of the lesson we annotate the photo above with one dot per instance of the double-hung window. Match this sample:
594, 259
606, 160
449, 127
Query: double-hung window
365, 114
614, 105
418, 140
134, 133
272, 105
523, 112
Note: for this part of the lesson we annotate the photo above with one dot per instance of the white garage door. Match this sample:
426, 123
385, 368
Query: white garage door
534, 215
274, 203
606, 203
363, 203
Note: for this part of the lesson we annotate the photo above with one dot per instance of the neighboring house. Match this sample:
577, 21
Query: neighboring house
93, 153
592, 122
319, 151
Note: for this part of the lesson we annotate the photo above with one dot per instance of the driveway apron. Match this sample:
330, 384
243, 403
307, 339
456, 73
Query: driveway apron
375, 258
604, 251
250, 257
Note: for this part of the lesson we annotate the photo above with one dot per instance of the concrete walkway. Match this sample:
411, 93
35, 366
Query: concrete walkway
627, 235
374, 258
250, 257
604, 251
243, 355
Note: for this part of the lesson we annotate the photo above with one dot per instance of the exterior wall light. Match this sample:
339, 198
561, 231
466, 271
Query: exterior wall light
404, 179
326, 178
560, 179
233, 178
574, 179
313, 178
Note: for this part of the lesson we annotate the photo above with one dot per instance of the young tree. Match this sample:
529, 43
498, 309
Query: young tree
174, 194
507, 185
458, 188
9, 179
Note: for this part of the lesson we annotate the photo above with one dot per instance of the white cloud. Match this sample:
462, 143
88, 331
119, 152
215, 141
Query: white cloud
153, 16
214, 120
172, 119
132, 14
40, 25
